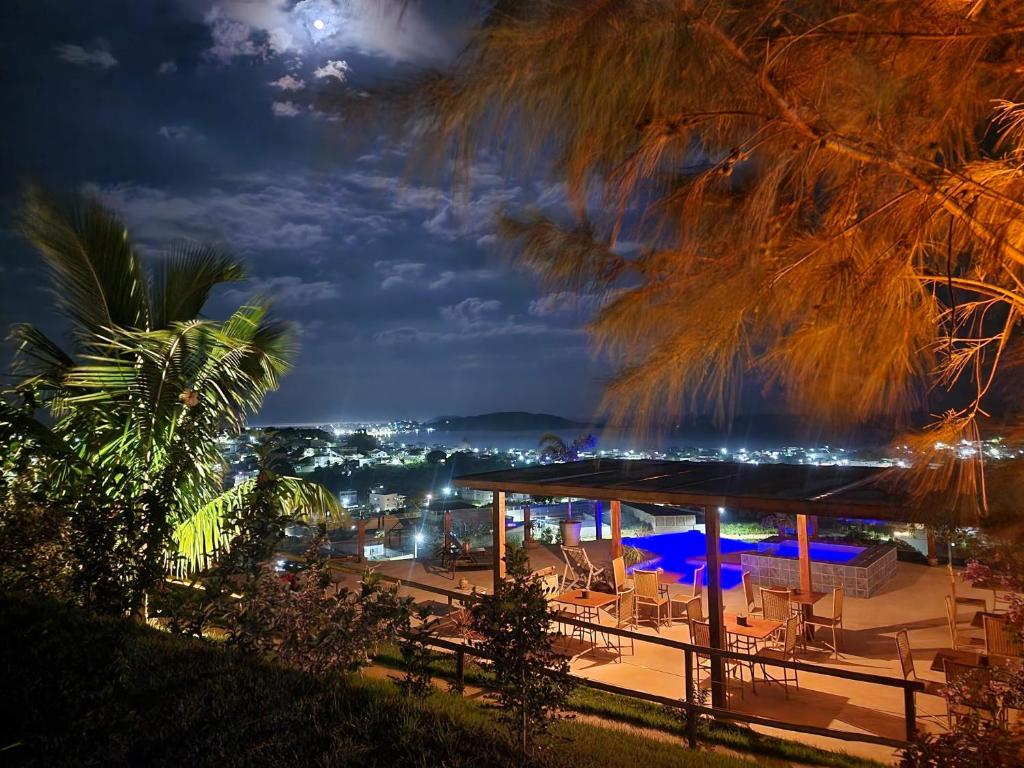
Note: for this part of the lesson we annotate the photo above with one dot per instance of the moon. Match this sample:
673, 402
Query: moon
318, 24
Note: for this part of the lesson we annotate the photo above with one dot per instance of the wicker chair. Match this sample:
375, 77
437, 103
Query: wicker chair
975, 697
698, 581
835, 621
957, 639
748, 594
700, 634
776, 606
647, 592
1000, 638
784, 652
933, 687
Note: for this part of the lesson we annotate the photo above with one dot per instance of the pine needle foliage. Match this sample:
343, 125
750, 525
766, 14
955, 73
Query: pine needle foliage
828, 195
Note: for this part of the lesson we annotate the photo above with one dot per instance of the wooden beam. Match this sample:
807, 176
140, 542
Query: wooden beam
804, 540
598, 534
821, 508
712, 530
361, 539
615, 507
527, 525
498, 522
447, 530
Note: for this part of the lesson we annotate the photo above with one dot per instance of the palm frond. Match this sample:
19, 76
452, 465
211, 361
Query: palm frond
183, 278
98, 280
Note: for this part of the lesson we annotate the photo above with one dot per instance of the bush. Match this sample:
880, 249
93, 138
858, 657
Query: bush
109, 692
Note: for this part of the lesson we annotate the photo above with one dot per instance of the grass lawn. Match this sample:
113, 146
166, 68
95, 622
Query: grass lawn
86, 691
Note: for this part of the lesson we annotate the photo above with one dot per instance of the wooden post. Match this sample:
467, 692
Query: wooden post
361, 539
616, 514
498, 507
597, 521
933, 548
712, 530
805, 554
527, 525
447, 530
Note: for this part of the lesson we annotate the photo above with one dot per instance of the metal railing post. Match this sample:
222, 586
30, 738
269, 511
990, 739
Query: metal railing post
691, 715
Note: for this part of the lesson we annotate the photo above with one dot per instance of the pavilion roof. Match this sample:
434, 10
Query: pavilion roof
830, 491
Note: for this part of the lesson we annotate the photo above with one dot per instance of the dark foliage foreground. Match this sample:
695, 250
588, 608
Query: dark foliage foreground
88, 691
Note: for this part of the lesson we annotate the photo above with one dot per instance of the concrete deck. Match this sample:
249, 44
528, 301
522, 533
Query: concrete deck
914, 600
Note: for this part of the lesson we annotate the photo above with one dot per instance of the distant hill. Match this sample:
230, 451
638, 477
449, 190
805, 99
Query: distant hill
507, 421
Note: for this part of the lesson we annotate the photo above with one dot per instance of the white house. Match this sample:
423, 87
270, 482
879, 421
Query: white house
386, 502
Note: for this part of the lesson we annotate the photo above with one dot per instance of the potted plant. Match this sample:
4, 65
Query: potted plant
570, 529
554, 448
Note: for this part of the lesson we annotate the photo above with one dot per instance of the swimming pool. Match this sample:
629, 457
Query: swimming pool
685, 551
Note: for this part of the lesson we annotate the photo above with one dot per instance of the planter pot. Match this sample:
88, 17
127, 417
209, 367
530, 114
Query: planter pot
570, 530
530, 543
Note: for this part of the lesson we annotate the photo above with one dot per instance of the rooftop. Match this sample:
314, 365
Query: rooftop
830, 491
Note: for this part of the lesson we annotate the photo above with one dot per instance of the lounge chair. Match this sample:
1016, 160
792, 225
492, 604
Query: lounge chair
579, 571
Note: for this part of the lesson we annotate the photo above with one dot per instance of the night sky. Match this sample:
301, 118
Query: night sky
189, 118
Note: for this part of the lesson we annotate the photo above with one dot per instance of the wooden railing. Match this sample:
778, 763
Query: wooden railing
689, 702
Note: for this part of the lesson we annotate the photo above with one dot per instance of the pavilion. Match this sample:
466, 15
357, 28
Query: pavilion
806, 491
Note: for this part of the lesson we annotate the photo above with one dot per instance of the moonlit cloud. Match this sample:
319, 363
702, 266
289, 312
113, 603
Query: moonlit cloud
286, 290
97, 56
167, 68
288, 83
337, 69
178, 132
285, 109
242, 28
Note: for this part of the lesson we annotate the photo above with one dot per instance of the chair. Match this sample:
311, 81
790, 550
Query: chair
625, 617
958, 640
785, 652
646, 591
933, 687
748, 594
579, 571
620, 581
700, 634
974, 604
1000, 638
698, 581
775, 605
971, 692
835, 621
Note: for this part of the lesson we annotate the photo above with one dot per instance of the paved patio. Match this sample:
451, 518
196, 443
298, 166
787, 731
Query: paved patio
914, 599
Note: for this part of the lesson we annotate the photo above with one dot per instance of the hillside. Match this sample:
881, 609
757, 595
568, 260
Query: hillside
507, 421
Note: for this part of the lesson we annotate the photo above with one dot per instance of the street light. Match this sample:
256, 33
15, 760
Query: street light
416, 541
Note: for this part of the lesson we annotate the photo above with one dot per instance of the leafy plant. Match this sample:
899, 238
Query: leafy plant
138, 401
514, 623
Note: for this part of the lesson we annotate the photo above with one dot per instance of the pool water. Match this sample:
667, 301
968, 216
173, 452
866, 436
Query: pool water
685, 551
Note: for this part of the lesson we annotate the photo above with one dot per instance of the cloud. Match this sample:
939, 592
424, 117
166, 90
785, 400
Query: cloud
288, 83
469, 311
182, 132
337, 69
250, 214
450, 277
396, 274
285, 109
565, 304
264, 28
167, 68
286, 290
98, 56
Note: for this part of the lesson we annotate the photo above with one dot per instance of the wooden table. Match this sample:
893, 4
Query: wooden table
756, 629
587, 609
806, 602
968, 658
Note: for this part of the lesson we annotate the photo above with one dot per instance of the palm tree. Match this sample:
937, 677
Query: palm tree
149, 383
828, 200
